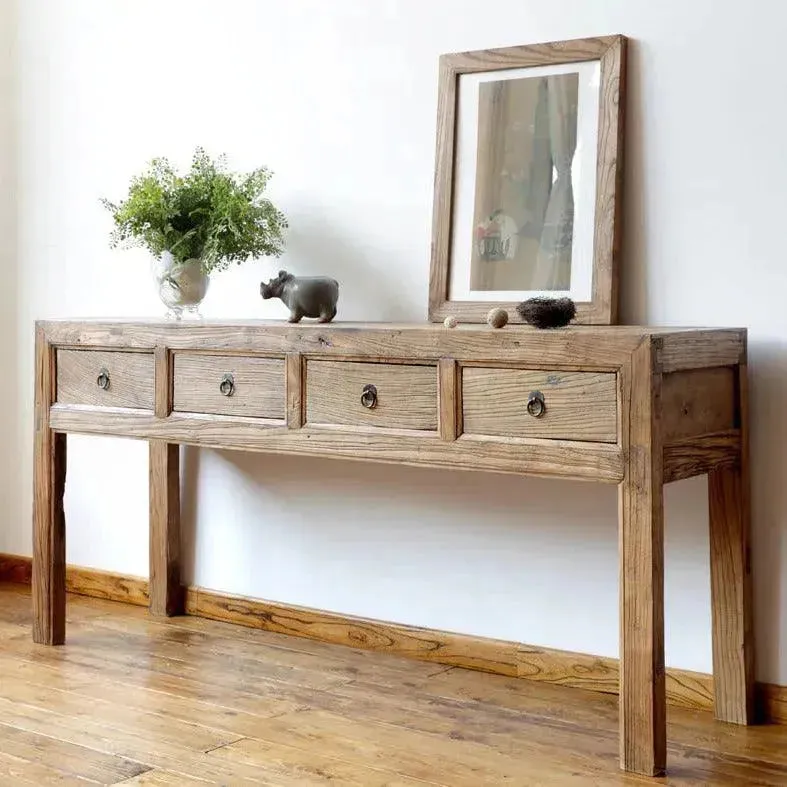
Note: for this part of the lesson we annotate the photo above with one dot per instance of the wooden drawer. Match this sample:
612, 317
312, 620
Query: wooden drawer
228, 385
406, 396
577, 405
105, 379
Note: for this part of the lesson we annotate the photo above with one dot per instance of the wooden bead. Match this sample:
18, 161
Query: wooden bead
497, 317
450, 321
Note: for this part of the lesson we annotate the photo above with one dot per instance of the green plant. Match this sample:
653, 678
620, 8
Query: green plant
208, 213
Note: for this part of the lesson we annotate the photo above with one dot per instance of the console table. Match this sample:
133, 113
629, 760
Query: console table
633, 406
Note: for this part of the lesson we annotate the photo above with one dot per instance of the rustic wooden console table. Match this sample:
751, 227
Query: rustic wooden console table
631, 406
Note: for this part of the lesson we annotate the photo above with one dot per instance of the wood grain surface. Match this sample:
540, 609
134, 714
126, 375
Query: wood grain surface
698, 401
49, 520
700, 454
770, 703
294, 380
642, 689
730, 562
442, 201
94, 583
602, 462
684, 688
166, 596
406, 395
166, 701
16, 569
449, 399
608, 234
259, 385
574, 347
529, 55
131, 378
163, 381
418, 643
731, 579
700, 349
81, 581
415, 368
579, 405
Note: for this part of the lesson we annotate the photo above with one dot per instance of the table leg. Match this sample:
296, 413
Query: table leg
49, 521
643, 733
166, 594
730, 573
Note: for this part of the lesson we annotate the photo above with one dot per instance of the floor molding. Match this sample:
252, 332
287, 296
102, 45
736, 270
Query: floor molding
576, 670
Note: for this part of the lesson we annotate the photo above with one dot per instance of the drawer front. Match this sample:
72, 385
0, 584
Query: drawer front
228, 385
403, 397
576, 405
105, 379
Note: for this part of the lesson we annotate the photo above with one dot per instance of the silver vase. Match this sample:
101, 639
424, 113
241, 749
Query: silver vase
182, 286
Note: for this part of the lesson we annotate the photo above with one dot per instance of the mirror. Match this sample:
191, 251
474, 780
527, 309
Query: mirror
526, 187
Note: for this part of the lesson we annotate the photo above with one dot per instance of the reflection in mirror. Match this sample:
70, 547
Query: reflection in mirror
524, 197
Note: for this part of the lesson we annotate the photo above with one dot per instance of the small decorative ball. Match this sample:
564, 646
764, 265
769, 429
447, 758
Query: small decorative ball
497, 318
450, 321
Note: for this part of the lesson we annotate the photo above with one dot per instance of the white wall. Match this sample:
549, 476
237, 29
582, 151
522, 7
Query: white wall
10, 475
339, 99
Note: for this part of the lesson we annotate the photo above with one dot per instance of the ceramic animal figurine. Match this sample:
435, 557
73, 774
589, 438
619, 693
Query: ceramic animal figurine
305, 296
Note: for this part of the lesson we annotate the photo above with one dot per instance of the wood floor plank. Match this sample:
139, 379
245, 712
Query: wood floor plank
9, 630
88, 742
688, 728
290, 766
131, 699
266, 699
16, 602
71, 759
455, 760
157, 778
526, 738
214, 721
348, 663
120, 716
19, 771
97, 647
356, 662
587, 728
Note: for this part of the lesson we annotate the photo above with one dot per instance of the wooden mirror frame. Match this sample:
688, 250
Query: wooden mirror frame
610, 51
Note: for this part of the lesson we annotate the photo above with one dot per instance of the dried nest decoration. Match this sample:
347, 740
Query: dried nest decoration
547, 312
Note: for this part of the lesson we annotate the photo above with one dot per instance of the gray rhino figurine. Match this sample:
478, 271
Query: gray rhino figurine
305, 296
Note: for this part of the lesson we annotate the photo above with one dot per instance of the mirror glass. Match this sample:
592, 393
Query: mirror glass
524, 202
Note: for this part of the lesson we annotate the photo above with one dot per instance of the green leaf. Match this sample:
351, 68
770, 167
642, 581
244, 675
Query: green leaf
208, 213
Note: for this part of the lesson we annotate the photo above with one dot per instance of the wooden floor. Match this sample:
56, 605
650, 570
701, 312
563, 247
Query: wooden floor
140, 701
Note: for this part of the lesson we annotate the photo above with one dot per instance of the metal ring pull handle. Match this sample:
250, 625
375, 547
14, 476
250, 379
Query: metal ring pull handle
536, 406
227, 385
369, 397
102, 381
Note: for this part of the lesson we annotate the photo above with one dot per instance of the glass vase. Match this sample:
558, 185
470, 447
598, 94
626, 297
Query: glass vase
181, 286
